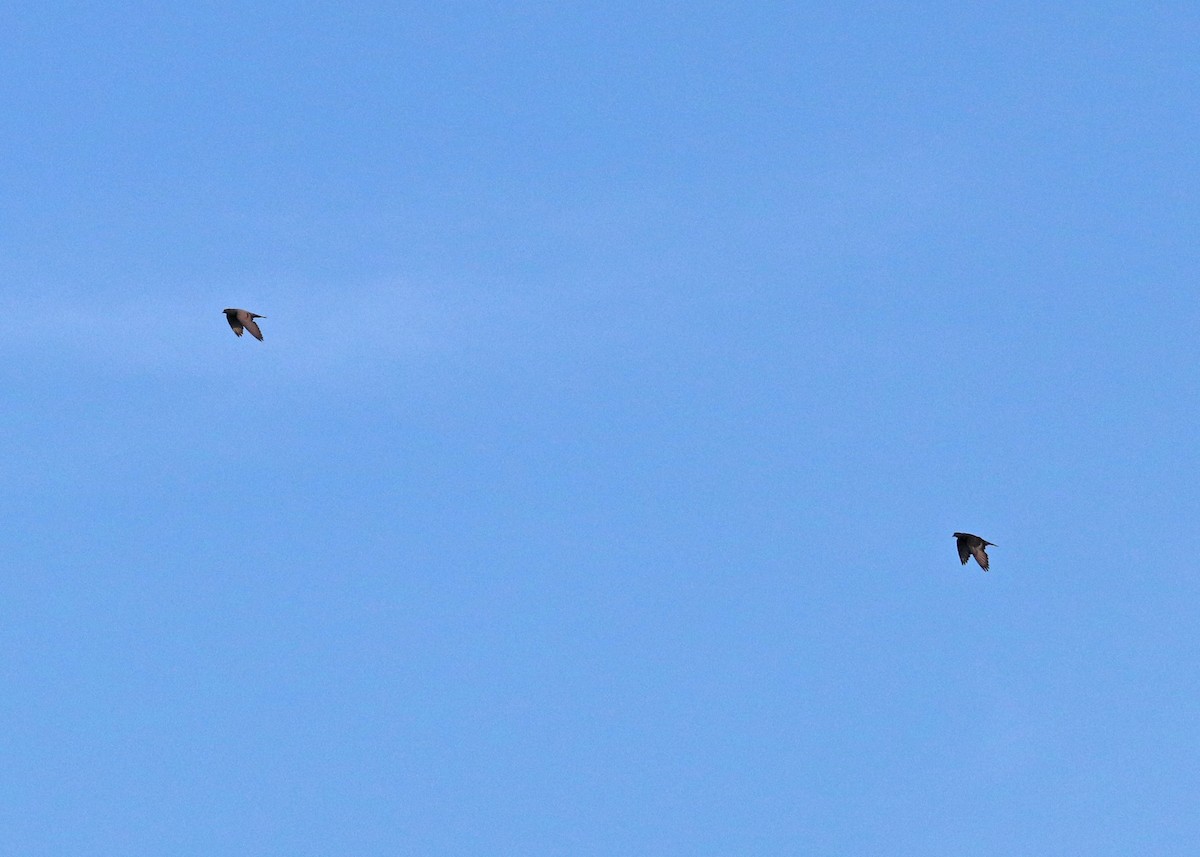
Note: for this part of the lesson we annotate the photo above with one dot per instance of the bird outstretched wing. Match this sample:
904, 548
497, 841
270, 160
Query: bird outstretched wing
241, 320
251, 325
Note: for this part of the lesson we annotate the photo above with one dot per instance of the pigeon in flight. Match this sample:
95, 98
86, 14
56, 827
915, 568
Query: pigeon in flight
240, 319
972, 546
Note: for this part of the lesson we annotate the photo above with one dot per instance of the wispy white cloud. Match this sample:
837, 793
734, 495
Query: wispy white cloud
181, 329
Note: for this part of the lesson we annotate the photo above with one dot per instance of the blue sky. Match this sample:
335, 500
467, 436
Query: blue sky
627, 369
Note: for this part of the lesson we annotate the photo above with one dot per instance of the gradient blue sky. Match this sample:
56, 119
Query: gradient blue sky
627, 369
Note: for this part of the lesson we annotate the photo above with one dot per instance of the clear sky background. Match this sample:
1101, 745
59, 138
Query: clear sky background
628, 366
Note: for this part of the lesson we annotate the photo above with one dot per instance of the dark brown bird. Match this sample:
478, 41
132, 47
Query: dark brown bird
972, 546
240, 319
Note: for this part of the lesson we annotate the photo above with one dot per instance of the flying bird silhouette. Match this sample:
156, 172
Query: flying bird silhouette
970, 545
240, 318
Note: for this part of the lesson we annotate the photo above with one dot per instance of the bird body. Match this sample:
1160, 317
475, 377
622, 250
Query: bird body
240, 319
970, 545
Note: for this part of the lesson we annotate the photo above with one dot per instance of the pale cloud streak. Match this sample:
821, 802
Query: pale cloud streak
309, 331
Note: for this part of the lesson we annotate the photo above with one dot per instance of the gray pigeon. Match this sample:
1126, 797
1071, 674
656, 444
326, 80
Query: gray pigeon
240, 318
972, 546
